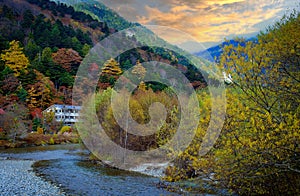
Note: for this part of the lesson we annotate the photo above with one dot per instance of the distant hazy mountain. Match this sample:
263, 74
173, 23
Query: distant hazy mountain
215, 52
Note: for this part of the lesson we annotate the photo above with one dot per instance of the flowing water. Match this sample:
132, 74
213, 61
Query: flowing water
68, 167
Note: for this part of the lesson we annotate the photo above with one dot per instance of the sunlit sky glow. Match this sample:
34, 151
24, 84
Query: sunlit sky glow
208, 21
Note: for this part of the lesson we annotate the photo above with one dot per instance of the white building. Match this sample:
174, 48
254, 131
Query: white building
227, 79
67, 114
129, 34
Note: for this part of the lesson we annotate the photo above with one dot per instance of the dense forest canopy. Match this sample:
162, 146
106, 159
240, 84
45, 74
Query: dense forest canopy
43, 43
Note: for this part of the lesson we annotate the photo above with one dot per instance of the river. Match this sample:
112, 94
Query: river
67, 166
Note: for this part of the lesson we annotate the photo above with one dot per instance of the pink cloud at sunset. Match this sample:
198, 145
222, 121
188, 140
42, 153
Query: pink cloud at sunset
207, 21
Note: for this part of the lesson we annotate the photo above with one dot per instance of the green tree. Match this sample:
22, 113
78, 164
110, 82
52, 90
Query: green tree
22, 94
55, 38
47, 55
5, 72
76, 45
127, 64
85, 50
4, 44
28, 19
31, 50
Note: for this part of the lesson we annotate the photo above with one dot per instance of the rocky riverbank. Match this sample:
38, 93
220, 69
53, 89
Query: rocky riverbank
17, 178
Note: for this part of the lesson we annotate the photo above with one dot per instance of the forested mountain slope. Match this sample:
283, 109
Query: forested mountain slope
42, 44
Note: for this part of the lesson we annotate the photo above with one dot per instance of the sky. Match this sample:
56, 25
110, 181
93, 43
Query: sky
204, 21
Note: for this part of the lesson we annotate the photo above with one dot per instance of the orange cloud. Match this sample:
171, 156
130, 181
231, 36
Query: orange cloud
205, 20
213, 20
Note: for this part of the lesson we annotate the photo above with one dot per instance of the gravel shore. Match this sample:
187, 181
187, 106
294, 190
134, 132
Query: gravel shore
17, 178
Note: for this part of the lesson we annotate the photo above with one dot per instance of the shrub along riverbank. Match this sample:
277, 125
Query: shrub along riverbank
38, 139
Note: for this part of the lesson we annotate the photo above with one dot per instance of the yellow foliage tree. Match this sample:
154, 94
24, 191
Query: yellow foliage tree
139, 70
112, 68
65, 129
142, 86
14, 58
258, 151
40, 94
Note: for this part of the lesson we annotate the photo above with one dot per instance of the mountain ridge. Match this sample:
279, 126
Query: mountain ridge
213, 53
101, 12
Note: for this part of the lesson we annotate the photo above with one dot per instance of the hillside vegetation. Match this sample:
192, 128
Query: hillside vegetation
42, 45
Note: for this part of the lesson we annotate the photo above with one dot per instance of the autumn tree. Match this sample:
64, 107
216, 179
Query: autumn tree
45, 64
139, 70
49, 121
111, 68
14, 58
119, 130
93, 70
142, 86
14, 121
110, 72
69, 59
10, 84
258, 150
265, 126
40, 94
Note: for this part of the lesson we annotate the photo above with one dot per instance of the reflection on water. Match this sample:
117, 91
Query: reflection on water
67, 166
84, 178
70, 151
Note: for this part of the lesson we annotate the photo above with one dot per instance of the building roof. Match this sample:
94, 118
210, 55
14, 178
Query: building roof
64, 107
